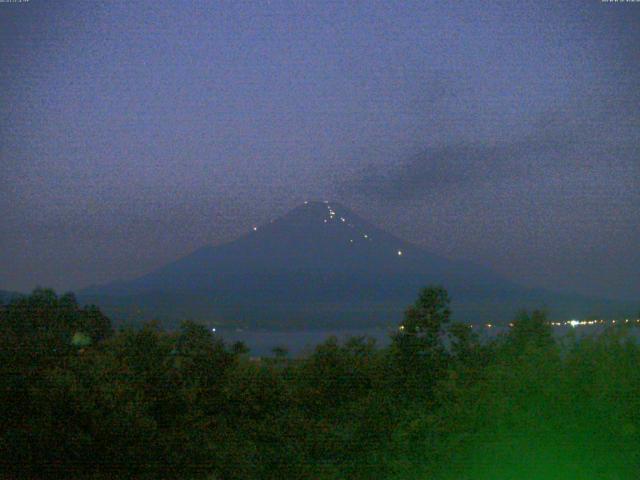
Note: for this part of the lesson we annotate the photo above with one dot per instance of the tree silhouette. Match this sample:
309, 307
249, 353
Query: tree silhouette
418, 349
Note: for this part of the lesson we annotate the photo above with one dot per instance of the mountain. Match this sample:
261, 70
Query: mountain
319, 265
6, 296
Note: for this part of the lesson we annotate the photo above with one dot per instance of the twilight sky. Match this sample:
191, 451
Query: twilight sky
507, 133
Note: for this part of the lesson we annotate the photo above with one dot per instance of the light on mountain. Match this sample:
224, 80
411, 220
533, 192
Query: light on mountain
399, 252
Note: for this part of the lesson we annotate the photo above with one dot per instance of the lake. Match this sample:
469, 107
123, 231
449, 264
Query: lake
300, 342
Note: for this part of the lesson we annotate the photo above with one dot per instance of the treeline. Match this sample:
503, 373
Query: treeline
80, 401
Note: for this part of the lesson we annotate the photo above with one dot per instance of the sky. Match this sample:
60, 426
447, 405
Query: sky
505, 133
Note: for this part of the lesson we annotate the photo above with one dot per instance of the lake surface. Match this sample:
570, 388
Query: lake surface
301, 342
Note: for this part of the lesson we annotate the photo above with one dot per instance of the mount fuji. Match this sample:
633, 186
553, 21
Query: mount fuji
320, 265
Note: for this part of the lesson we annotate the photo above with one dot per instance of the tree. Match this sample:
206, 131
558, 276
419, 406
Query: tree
529, 331
464, 342
41, 335
203, 362
426, 317
280, 352
417, 346
38, 330
239, 348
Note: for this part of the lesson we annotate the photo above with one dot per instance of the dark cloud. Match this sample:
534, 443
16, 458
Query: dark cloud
462, 164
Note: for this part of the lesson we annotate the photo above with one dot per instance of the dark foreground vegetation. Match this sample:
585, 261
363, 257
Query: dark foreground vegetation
81, 401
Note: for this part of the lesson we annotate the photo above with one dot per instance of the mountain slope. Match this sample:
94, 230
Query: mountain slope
6, 296
320, 264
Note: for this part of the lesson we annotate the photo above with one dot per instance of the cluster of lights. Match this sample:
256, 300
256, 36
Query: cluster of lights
582, 323
332, 214
572, 323
576, 323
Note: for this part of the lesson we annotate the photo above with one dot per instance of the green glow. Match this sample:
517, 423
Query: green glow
81, 339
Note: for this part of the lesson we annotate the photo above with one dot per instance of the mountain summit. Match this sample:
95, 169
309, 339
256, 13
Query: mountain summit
318, 265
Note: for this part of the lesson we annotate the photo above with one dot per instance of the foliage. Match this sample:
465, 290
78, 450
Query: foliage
80, 401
